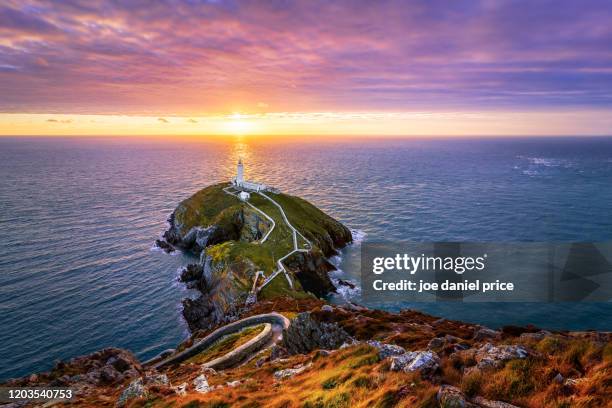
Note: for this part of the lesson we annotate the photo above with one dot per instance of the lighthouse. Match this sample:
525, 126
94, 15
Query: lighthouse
240, 173
242, 184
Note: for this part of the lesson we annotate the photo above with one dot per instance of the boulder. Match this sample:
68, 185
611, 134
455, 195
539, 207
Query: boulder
135, 389
452, 397
485, 403
386, 350
489, 355
191, 272
109, 375
426, 362
346, 283
484, 333
162, 244
306, 334
200, 384
289, 372
156, 379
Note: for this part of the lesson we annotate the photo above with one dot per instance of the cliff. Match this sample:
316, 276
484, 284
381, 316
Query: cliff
349, 356
234, 241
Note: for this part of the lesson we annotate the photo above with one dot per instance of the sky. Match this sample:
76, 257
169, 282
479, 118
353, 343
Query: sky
306, 67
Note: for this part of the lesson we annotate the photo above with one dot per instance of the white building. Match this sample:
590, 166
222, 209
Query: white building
243, 184
244, 196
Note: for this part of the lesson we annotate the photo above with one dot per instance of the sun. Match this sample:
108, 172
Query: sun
239, 125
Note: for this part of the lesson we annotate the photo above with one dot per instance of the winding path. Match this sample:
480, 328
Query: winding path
274, 324
265, 237
279, 263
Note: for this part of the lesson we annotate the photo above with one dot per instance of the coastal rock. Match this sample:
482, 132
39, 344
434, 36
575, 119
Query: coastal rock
449, 396
199, 313
485, 403
109, 366
346, 283
447, 344
289, 372
484, 333
191, 272
489, 355
156, 379
109, 375
135, 389
436, 343
200, 384
427, 362
386, 350
312, 271
306, 334
537, 336
165, 246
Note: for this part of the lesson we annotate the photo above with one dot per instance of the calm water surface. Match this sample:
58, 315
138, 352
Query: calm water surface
78, 218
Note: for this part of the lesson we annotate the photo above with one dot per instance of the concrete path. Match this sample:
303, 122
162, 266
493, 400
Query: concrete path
281, 267
271, 334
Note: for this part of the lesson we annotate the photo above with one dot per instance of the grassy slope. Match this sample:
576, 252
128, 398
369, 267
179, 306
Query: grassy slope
305, 217
212, 205
355, 377
204, 207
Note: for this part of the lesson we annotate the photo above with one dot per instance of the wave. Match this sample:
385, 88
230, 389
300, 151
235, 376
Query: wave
345, 291
358, 236
155, 248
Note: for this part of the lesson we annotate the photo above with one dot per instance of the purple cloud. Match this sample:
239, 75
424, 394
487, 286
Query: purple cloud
195, 57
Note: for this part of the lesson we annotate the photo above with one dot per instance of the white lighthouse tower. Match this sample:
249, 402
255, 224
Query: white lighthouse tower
240, 173
242, 184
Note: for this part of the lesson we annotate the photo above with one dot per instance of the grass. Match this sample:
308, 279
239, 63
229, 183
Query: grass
279, 286
354, 377
305, 217
226, 344
204, 206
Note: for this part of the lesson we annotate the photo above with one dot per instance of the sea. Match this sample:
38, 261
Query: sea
79, 216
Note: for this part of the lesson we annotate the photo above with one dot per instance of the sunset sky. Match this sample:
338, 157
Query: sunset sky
280, 67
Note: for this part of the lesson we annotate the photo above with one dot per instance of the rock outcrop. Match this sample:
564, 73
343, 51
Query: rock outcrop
490, 355
105, 368
306, 334
425, 362
386, 350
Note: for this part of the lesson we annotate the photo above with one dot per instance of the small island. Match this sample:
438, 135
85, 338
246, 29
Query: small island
253, 242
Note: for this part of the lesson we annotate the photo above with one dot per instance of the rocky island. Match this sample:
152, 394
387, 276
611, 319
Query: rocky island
263, 335
239, 243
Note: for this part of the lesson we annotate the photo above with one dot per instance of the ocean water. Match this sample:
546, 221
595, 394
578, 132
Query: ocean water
78, 218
